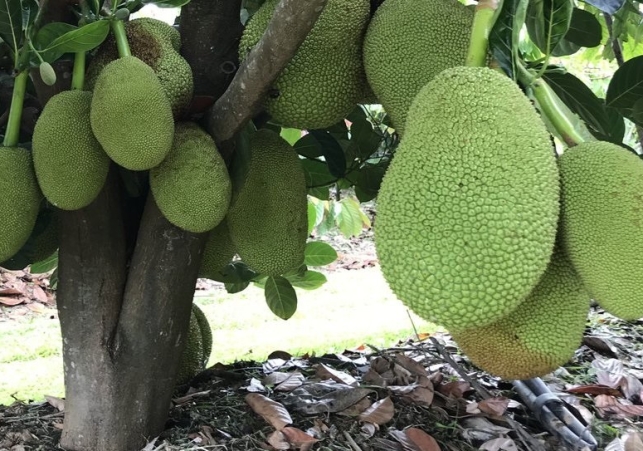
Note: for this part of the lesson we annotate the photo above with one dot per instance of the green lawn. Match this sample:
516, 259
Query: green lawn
354, 307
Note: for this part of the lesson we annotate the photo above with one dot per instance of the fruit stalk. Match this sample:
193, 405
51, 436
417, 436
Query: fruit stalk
482, 24
78, 77
118, 28
12, 136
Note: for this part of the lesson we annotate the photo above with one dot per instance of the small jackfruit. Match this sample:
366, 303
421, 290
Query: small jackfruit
540, 335
156, 44
467, 210
130, 114
42, 242
324, 80
408, 43
206, 334
268, 217
64, 146
601, 219
197, 349
19, 199
218, 251
191, 186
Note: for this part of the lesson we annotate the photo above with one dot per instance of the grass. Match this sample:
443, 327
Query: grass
353, 308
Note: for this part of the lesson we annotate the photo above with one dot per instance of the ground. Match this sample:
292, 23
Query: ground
419, 394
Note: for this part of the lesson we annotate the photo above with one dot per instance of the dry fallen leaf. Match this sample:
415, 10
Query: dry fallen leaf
298, 438
409, 364
294, 380
594, 390
494, 406
36, 307
422, 440
609, 404
381, 412
369, 429
403, 439
278, 440
499, 444
271, 411
275, 378
11, 301
456, 389
325, 372
633, 442
631, 387
357, 408
609, 372
55, 402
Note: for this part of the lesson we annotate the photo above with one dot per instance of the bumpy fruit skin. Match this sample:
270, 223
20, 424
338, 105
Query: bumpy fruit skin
218, 251
540, 335
467, 211
42, 242
131, 116
206, 334
64, 146
268, 219
191, 186
401, 31
601, 218
19, 199
324, 80
197, 349
156, 44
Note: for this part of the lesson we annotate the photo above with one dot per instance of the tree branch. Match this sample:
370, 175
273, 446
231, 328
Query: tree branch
289, 26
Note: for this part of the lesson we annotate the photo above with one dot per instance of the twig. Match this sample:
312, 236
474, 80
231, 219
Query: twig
289, 26
351, 442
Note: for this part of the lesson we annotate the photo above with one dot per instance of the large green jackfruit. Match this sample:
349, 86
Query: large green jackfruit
324, 80
130, 114
156, 44
191, 186
468, 208
197, 349
42, 242
218, 252
407, 43
71, 166
19, 199
601, 221
268, 217
540, 335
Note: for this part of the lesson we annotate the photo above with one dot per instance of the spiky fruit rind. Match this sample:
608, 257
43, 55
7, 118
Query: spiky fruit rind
206, 334
267, 219
191, 361
65, 147
399, 32
130, 114
467, 210
540, 335
218, 251
20, 199
601, 219
42, 242
324, 80
191, 186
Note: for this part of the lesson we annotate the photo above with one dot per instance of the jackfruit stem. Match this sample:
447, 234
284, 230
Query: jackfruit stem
118, 28
78, 77
482, 24
12, 135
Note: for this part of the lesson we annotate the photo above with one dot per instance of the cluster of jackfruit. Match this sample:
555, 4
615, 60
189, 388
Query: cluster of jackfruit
482, 229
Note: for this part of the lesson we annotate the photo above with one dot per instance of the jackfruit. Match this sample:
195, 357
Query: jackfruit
19, 199
197, 349
218, 252
42, 242
408, 43
601, 218
206, 335
268, 217
156, 44
64, 146
467, 210
130, 114
540, 335
191, 186
324, 80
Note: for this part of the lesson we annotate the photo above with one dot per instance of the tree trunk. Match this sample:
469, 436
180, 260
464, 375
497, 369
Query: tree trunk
124, 331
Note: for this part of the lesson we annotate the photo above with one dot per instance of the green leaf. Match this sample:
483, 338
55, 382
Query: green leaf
29, 13
236, 272
50, 32
46, 265
312, 216
584, 29
317, 173
548, 22
309, 280
233, 288
367, 181
364, 140
317, 253
308, 147
166, 3
280, 297
292, 135
81, 39
637, 113
504, 35
626, 87
349, 218
11, 23
332, 152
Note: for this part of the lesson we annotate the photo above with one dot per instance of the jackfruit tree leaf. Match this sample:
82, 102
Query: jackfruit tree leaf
565, 48
280, 297
582, 101
48, 264
29, 13
339, 130
548, 22
626, 86
317, 173
364, 140
81, 39
320, 192
332, 152
236, 272
166, 3
309, 280
317, 253
504, 35
232, 288
608, 6
291, 135
348, 217
584, 29
367, 181
11, 23
47, 34
312, 216
637, 113
307, 146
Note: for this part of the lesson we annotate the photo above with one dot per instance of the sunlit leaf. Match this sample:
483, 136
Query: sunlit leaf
317, 253
81, 39
548, 22
280, 297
